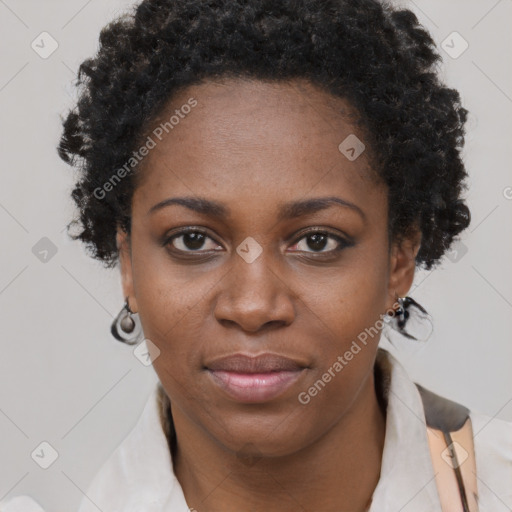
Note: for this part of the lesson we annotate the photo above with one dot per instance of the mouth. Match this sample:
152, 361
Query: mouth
252, 379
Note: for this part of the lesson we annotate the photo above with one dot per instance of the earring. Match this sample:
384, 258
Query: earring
126, 327
402, 314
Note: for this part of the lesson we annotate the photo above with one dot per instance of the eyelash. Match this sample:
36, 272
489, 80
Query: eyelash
343, 243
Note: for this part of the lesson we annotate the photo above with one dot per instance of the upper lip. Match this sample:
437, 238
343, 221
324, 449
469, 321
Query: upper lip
263, 363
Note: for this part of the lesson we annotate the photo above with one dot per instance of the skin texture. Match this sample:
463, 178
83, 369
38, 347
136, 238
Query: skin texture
253, 146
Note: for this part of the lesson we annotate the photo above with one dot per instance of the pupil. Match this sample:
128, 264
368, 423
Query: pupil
319, 241
193, 240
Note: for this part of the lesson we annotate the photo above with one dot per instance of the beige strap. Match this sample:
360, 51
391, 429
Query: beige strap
446, 459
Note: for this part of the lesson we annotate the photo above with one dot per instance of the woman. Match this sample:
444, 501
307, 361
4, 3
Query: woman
268, 176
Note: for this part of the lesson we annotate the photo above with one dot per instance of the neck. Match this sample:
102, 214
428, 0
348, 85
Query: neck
337, 472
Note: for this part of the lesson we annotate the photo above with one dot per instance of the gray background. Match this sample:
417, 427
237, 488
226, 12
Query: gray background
66, 381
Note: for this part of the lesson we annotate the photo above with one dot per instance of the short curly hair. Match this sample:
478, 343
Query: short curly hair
369, 52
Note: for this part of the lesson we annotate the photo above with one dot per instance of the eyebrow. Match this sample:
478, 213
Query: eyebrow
287, 210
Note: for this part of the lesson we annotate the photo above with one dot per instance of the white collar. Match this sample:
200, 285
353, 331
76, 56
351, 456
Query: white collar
138, 476
407, 481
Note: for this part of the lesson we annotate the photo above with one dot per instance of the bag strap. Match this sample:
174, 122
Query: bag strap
450, 437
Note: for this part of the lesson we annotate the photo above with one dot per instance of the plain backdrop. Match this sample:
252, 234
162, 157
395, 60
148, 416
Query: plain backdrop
67, 382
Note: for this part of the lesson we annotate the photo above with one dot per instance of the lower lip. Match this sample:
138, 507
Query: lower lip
255, 387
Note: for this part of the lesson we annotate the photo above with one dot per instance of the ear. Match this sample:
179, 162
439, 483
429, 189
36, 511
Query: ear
125, 259
402, 266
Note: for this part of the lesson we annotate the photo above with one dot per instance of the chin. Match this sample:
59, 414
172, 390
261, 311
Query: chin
255, 436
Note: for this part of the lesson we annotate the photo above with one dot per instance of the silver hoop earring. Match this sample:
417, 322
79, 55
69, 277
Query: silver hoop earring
126, 326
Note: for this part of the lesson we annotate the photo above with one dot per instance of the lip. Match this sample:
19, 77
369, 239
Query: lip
251, 379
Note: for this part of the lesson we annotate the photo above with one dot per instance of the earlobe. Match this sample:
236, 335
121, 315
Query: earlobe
125, 261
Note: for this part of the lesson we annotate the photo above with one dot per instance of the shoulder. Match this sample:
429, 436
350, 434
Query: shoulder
493, 451
492, 446
138, 474
493, 434
492, 437
20, 504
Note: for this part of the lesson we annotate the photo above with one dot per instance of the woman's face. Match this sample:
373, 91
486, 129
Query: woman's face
260, 168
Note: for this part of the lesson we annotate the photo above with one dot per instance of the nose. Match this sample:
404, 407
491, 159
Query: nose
254, 297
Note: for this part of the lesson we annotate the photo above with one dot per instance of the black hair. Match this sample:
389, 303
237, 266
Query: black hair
369, 52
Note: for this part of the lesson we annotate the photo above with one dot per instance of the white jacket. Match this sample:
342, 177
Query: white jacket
138, 476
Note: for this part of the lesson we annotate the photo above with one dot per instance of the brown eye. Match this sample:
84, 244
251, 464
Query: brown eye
192, 240
321, 242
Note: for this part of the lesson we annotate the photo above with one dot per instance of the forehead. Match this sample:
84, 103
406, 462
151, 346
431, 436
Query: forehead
272, 138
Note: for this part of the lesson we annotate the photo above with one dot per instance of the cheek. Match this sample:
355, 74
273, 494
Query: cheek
350, 300
164, 291
345, 321
168, 302
346, 326
346, 341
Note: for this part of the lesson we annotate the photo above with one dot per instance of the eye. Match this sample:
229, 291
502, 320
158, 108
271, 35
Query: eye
195, 240
191, 240
319, 240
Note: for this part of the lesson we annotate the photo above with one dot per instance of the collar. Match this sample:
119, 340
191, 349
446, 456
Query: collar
138, 476
407, 478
